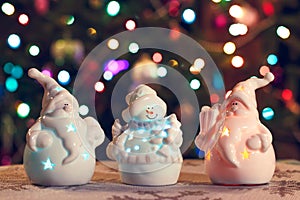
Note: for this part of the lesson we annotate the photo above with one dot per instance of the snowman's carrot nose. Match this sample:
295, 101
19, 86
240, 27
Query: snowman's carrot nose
149, 112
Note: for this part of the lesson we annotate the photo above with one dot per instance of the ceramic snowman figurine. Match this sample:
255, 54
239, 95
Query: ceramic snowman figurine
238, 146
147, 148
60, 144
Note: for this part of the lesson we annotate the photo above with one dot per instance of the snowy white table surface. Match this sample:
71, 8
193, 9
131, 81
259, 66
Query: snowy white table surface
193, 184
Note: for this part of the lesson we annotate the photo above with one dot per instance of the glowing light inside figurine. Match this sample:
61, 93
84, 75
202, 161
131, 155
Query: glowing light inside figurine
283, 32
34, 50
195, 84
23, 110
238, 29
48, 165
64, 77
229, 48
113, 8
11, 84
71, 127
133, 47
207, 157
14, 41
216, 1
272, 59
83, 110
164, 134
268, 113
85, 156
225, 132
162, 72
58, 89
99, 86
189, 16
8, 8
113, 44
130, 25
136, 147
245, 154
23, 19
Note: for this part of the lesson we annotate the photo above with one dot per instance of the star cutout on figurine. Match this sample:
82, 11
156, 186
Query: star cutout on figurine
85, 156
245, 154
225, 131
71, 127
58, 89
207, 157
48, 164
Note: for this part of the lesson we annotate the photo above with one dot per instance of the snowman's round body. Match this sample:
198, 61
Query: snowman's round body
45, 166
232, 162
60, 144
143, 158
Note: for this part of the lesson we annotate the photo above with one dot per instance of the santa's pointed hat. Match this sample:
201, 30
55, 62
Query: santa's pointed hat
245, 90
51, 90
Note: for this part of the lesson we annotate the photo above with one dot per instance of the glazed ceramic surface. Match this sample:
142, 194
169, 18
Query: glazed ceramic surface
238, 146
60, 142
147, 147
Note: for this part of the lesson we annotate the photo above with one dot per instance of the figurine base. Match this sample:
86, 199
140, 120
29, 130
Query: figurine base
167, 175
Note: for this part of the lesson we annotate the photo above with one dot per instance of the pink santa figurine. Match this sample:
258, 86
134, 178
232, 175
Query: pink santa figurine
147, 148
238, 146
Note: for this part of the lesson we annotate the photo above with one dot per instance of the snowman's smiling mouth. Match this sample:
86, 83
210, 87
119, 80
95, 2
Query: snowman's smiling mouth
151, 117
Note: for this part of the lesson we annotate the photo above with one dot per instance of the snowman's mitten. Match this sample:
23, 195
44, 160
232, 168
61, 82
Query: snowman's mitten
254, 143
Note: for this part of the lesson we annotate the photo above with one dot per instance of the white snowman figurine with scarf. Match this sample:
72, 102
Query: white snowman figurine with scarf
147, 148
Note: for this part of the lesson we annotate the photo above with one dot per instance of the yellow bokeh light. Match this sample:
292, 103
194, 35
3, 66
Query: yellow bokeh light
113, 44
173, 63
216, 1
229, 48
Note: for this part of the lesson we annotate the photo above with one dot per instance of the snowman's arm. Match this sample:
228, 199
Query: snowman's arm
32, 135
95, 134
265, 137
